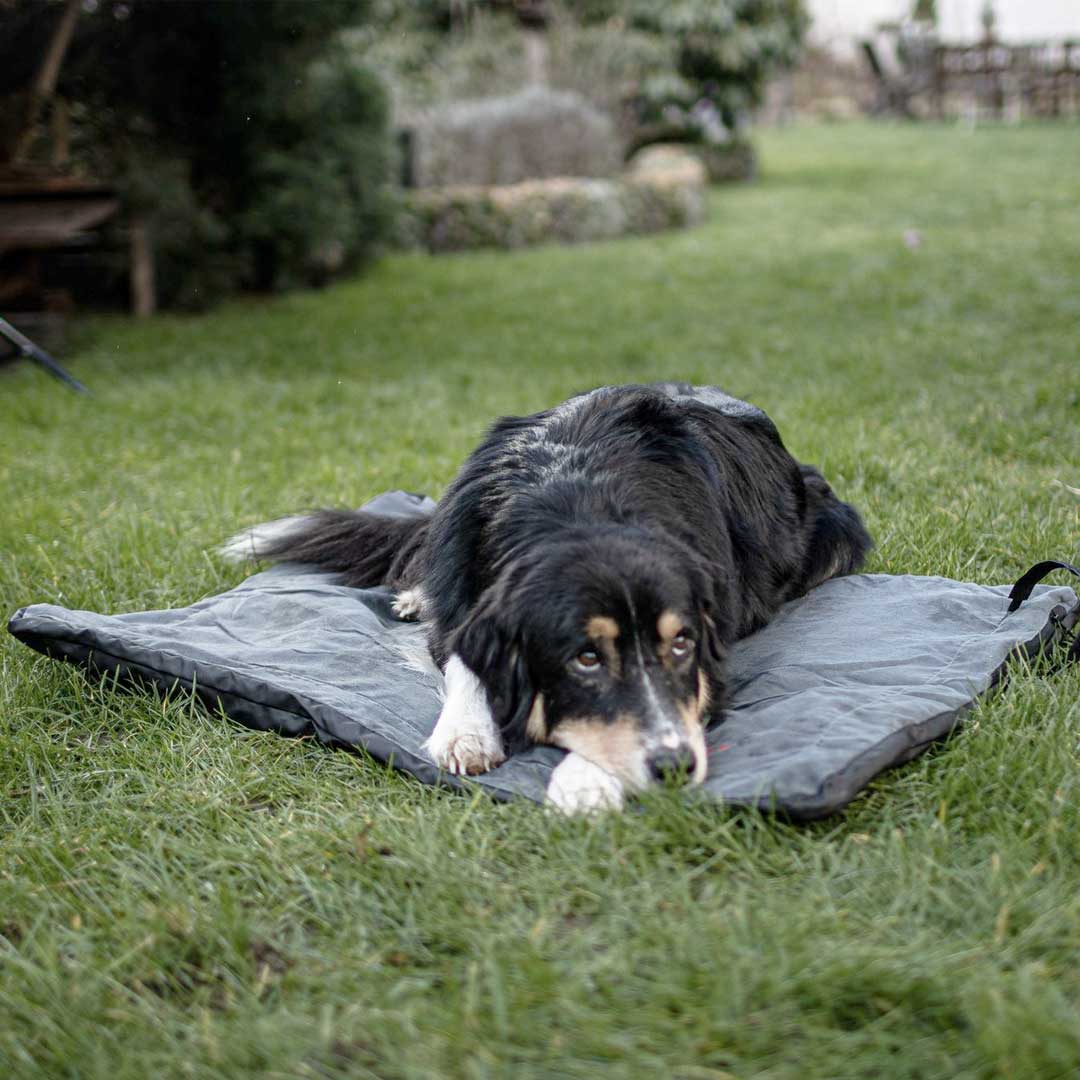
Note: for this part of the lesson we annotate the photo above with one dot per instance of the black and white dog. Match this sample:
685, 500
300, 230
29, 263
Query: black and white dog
586, 573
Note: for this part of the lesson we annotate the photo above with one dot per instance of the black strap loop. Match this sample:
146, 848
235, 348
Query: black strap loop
1022, 589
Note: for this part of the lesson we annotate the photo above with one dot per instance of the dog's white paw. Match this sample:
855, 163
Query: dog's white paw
465, 740
409, 604
577, 786
467, 753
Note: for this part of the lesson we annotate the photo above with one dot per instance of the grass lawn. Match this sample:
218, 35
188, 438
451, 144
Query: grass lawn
179, 896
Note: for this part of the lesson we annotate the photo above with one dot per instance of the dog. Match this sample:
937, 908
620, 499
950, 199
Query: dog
586, 573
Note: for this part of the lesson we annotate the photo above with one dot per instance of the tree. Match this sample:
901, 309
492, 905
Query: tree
24, 104
717, 55
254, 146
724, 52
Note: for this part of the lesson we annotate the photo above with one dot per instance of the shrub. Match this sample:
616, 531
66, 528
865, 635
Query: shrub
422, 67
656, 193
253, 144
735, 159
723, 50
689, 70
608, 67
318, 203
530, 135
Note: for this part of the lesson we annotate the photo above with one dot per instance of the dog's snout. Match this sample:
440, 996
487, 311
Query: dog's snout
672, 766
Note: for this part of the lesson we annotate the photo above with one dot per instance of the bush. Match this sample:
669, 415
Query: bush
724, 51
728, 161
657, 193
422, 67
690, 70
319, 204
253, 144
608, 66
530, 135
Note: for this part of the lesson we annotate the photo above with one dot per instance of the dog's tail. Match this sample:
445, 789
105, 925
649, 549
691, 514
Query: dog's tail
365, 549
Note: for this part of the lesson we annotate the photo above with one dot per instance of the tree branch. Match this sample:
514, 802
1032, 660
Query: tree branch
44, 84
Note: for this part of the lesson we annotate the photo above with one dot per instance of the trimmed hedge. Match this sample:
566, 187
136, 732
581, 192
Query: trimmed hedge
735, 160
663, 189
531, 135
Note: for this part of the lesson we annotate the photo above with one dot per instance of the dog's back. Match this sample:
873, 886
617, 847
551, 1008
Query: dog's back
705, 467
692, 461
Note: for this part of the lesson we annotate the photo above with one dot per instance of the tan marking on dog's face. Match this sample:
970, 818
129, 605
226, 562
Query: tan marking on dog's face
695, 736
603, 630
602, 626
668, 626
692, 714
693, 709
536, 725
618, 747
615, 745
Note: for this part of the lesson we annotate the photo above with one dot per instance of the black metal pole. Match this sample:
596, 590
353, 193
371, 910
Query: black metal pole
25, 347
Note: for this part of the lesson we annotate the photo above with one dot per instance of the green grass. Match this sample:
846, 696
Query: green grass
179, 896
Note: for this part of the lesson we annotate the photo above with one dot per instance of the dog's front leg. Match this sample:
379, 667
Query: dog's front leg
577, 786
465, 740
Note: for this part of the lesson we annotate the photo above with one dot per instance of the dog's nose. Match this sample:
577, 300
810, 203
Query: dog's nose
667, 766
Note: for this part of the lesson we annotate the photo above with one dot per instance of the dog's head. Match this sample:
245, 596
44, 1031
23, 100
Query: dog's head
607, 645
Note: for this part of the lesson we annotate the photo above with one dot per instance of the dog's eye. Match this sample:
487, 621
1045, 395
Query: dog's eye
587, 659
681, 646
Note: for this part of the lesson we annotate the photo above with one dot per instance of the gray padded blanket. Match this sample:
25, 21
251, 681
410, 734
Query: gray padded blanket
861, 674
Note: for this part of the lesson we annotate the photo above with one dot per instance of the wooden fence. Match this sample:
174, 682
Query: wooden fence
1033, 80
1005, 81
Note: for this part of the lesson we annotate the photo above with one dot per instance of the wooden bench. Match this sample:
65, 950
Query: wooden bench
42, 214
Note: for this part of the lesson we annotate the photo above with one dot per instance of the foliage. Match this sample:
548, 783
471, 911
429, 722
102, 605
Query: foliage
691, 69
181, 896
318, 201
730, 161
242, 128
529, 135
443, 16
609, 66
562, 210
725, 52
422, 66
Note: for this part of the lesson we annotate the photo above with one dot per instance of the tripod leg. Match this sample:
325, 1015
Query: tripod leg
31, 351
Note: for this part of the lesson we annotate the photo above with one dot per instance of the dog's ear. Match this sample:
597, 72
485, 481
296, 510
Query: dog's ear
497, 658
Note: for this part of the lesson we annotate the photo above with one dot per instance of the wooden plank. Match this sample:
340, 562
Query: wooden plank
29, 183
42, 224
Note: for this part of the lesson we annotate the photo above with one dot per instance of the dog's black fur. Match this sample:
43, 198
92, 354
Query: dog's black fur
626, 502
